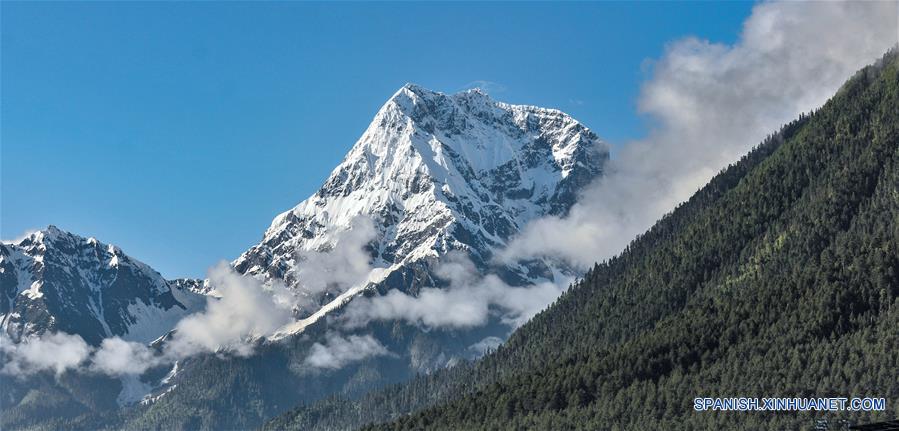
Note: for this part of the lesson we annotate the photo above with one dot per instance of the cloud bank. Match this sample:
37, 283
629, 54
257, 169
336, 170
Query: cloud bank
18, 239
246, 310
54, 352
337, 351
711, 103
467, 302
243, 310
337, 269
117, 357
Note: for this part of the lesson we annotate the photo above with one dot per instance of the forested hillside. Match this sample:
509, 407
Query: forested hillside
779, 278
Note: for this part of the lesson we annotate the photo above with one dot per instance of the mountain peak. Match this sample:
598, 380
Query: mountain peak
51, 233
484, 132
413, 91
413, 100
438, 173
412, 87
415, 88
53, 236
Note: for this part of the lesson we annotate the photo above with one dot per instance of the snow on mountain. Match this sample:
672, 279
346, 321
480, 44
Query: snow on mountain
56, 281
437, 173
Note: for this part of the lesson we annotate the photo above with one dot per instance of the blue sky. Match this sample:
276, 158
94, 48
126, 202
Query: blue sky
179, 130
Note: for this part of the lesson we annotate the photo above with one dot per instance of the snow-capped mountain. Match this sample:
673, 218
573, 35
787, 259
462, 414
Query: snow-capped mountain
53, 281
433, 174
437, 173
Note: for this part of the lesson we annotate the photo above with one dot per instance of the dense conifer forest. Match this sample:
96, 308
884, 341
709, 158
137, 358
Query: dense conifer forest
778, 278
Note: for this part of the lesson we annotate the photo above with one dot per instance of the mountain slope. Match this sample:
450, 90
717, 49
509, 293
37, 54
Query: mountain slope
779, 278
56, 281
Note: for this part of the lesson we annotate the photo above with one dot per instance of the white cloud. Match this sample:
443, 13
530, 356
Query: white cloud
246, 310
433, 307
60, 352
242, 311
18, 239
488, 87
338, 351
467, 301
57, 352
486, 345
712, 103
119, 357
344, 265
